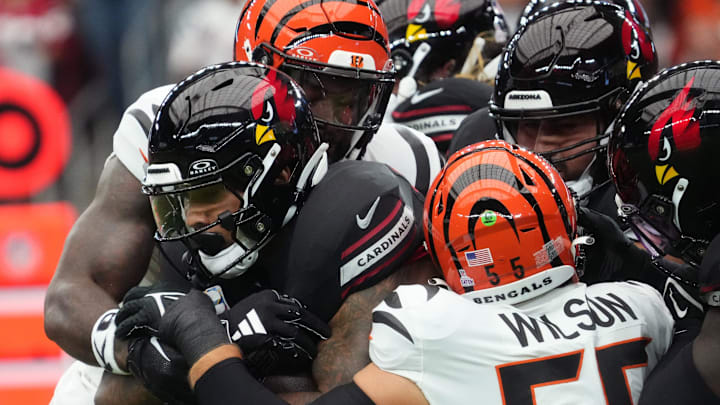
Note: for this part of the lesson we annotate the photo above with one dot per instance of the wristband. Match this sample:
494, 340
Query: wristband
102, 340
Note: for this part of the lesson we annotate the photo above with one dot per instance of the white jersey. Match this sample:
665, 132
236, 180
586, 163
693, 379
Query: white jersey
410, 153
575, 344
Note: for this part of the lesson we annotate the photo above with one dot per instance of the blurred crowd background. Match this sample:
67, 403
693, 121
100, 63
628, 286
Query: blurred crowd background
99, 56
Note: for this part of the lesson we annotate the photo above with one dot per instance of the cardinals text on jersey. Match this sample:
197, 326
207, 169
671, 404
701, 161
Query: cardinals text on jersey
584, 344
439, 107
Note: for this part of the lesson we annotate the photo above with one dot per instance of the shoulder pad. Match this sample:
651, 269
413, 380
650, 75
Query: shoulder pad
406, 321
410, 153
130, 142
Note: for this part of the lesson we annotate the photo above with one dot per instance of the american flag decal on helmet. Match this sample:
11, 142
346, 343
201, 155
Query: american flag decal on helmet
480, 257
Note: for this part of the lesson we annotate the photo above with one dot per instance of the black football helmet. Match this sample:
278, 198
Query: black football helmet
634, 6
572, 58
662, 159
425, 34
232, 153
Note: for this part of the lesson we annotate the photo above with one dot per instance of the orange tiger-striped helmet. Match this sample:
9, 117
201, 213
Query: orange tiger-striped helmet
336, 50
499, 221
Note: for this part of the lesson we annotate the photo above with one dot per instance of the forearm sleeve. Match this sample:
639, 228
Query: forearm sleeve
348, 394
677, 381
230, 382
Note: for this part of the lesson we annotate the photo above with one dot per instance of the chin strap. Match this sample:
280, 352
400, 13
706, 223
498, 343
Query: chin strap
408, 86
314, 171
577, 248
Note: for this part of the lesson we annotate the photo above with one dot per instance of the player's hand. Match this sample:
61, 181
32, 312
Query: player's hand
185, 321
275, 332
161, 368
611, 256
142, 308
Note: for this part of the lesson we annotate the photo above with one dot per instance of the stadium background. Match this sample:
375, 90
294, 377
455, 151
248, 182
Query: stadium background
68, 68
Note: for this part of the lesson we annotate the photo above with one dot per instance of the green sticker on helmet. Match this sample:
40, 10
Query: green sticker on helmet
488, 218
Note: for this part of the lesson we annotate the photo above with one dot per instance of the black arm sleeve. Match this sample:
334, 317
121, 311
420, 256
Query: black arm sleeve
677, 381
348, 394
230, 382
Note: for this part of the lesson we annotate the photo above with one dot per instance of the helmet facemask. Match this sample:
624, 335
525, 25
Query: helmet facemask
221, 228
347, 103
210, 215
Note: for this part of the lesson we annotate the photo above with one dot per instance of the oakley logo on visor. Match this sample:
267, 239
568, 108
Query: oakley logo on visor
528, 100
352, 59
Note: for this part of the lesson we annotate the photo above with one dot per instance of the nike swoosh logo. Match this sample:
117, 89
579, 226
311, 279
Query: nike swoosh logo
363, 223
418, 97
680, 312
156, 345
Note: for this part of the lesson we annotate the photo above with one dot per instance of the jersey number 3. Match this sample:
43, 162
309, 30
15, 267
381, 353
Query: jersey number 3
519, 379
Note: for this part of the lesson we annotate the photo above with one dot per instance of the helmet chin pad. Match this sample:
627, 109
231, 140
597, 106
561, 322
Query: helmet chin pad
210, 243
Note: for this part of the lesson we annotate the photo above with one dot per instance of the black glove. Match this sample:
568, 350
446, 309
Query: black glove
611, 256
185, 321
161, 368
142, 308
275, 332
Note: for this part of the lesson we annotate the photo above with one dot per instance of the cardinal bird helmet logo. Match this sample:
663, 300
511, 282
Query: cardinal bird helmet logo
270, 104
637, 45
677, 129
420, 13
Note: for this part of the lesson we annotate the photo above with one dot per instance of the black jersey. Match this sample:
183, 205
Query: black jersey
476, 127
357, 226
676, 379
438, 108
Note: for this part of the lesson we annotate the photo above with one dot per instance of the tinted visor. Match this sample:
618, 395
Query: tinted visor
212, 217
337, 100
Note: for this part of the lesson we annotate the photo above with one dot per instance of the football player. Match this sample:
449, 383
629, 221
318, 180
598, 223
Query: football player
446, 54
373, 220
238, 217
338, 53
663, 164
516, 326
560, 101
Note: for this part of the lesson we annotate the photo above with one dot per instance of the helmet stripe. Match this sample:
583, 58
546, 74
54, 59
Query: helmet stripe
493, 205
499, 173
327, 30
556, 195
266, 8
299, 8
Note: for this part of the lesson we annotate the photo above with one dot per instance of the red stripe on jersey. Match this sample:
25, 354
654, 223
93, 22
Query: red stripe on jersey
372, 233
359, 280
442, 137
420, 253
430, 110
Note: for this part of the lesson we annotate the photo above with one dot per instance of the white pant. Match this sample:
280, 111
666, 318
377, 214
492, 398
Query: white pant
78, 385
